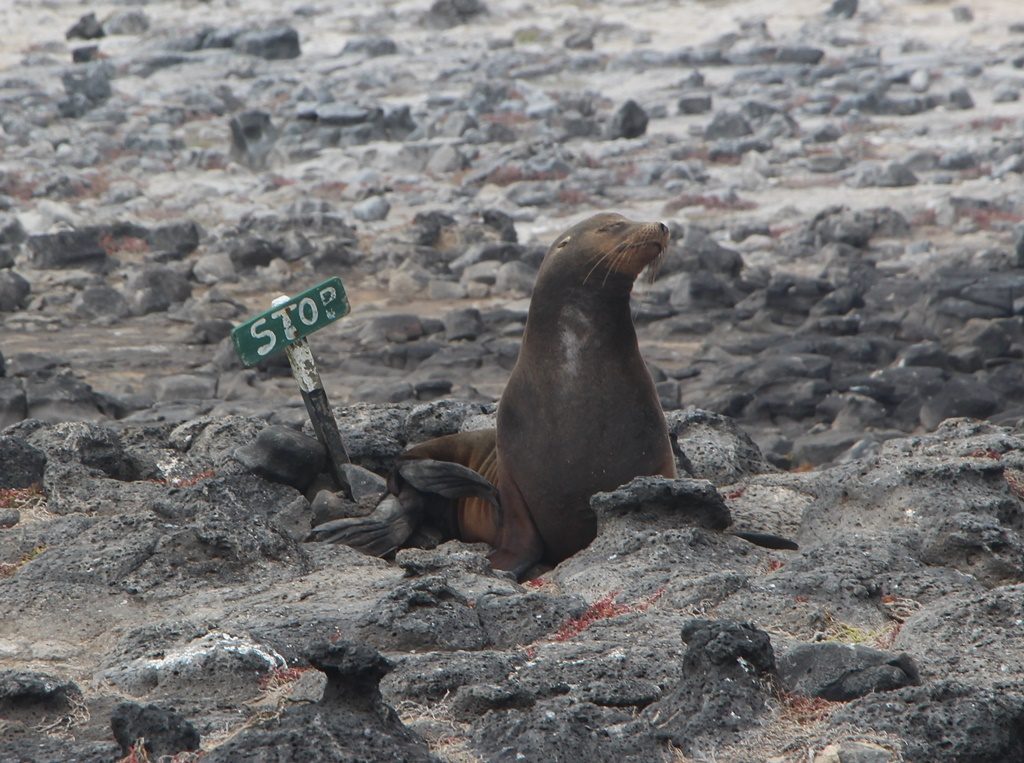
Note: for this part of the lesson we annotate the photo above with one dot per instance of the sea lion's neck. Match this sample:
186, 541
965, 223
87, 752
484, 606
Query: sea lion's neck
586, 312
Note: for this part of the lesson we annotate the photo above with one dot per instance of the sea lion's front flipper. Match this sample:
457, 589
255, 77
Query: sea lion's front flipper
447, 479
519, 547
380, 532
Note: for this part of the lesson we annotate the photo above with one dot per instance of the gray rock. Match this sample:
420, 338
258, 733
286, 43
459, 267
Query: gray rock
249, 252
177, 238
727, 124
515, 278
87, 86
563, 729
445, 14
515, 619
956, 398
349, 722
373, 435
347, 114
430, 676
126, 22
944, 721
713, 447
274, 44
844, 9
370, 46
694, 103
464, 323
101, 301
214, 268
426, 613
667, 502
441, 417
60, 397
185, 387
371, 209
13, 402
963, 14
156, 288
888, 175
960, 99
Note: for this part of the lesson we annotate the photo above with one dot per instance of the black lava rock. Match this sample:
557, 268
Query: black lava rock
163, 732
284, 455
445, 14
87, 27
841, 672
87, 86
67, 249
694, 103
155, 288
945, 721
677, 499
728, 672
21, 465
29, 697
630, 121
14, 291
350, 722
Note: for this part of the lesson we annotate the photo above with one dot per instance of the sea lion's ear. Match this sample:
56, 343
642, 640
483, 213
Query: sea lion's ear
563, 243
446, 479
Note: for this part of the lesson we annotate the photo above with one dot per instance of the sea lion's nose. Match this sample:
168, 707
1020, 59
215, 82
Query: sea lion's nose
663, 228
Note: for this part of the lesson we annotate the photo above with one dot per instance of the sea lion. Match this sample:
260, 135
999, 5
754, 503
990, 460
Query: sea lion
579, 415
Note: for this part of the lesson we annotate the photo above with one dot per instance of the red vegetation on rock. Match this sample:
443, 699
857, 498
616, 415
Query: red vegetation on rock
602, 609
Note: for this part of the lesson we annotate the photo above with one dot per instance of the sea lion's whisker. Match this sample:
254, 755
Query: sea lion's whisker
598, 262
600, 259
621, 253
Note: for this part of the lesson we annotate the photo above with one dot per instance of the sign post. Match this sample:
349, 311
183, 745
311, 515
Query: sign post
285, 327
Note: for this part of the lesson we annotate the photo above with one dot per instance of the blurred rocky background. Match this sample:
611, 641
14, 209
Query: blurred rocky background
843, 181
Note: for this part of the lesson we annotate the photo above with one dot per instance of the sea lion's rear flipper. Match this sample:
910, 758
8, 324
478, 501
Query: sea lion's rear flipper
446, 479
767, 540
380, 532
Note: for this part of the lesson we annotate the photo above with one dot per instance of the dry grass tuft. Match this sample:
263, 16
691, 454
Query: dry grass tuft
76, 715
1015, 480
8, 569
449, 739
23, 498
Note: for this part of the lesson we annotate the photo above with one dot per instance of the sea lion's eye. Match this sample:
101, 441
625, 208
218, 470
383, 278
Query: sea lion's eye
613, 227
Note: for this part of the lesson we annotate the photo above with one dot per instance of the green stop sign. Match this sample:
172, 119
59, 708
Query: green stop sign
287, 323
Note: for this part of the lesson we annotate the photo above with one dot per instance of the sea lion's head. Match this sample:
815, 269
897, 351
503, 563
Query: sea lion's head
606, 247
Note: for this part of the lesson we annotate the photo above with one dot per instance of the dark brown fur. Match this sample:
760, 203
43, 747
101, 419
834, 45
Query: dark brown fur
580, 413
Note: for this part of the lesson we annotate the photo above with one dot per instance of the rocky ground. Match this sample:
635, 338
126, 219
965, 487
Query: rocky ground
836, 333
